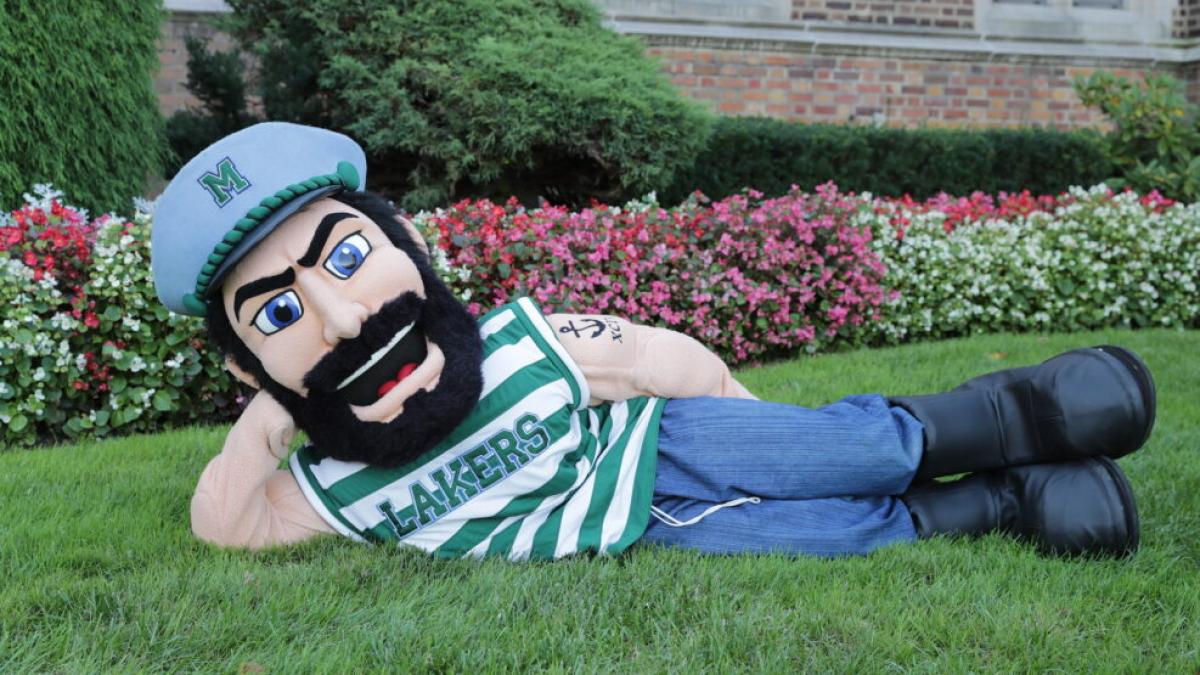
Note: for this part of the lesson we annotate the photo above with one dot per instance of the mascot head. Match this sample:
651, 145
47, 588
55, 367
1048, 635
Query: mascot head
317, 292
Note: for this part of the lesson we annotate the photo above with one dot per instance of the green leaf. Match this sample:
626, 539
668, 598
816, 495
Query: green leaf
162, 401
112, 313
18, 423
72, 427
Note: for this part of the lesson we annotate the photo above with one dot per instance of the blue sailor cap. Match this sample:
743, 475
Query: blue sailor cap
233, 194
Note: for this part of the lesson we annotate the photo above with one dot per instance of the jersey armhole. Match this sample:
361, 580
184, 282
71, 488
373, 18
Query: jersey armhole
543, 335
309, 487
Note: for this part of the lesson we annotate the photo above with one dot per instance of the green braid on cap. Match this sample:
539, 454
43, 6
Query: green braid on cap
195, 302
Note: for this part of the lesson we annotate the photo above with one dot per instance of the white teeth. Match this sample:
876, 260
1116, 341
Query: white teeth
379, 354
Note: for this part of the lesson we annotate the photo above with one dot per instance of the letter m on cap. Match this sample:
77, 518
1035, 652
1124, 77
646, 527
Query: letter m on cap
224, 183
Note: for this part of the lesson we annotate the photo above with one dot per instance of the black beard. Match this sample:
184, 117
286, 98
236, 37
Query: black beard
428, 417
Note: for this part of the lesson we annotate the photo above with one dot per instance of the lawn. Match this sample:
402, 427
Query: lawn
101, 572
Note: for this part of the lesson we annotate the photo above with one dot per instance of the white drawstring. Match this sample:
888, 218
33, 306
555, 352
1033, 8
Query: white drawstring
668, 519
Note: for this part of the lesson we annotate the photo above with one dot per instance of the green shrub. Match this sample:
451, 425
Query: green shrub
1156, 142
217, 80
533, 98
78, 105
772, 155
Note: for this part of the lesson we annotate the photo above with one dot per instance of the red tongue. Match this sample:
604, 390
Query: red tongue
404, 372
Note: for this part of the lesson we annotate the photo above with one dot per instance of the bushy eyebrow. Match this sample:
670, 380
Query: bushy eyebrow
320, 237
260, 286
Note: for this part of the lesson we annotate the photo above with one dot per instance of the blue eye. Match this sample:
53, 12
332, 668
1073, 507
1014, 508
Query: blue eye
280, 312
348, 256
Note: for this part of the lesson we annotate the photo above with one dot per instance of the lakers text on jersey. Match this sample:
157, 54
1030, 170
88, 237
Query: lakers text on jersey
532, 473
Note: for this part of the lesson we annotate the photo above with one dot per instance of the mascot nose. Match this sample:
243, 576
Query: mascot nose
341, 317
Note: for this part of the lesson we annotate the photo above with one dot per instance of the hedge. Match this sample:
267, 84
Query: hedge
771, 155
79, 107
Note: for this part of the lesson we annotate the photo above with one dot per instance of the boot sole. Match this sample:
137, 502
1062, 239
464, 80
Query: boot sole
1133, 524
1145, 381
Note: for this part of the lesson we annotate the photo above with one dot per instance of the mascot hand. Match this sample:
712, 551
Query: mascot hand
273, 421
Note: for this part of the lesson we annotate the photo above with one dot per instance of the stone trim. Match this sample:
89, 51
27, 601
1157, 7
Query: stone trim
933, 44
198, 6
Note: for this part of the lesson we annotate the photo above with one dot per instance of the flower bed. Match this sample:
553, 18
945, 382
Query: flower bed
750, 277
753, 278
1082, 260
86, 348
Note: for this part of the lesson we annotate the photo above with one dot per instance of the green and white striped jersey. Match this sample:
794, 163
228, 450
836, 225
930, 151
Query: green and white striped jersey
532, 473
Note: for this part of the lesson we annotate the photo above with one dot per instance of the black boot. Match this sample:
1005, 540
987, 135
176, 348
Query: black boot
1086, 402
1080, 507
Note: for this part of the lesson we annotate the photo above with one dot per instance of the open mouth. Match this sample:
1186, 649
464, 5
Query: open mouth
386, 368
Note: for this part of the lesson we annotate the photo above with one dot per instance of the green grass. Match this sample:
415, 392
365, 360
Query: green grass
100, 572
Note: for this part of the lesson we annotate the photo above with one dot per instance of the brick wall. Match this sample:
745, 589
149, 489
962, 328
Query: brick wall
929, 13
172, 55
895, 91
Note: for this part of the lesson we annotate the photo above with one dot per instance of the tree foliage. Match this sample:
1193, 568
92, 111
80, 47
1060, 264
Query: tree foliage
217, 79
533, 98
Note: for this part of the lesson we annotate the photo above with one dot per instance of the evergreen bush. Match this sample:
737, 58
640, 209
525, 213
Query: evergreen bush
533, 98
772, 155
218, 81
79, 107
1155, 141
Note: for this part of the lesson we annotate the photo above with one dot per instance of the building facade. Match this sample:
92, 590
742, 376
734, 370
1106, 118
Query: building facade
977, 63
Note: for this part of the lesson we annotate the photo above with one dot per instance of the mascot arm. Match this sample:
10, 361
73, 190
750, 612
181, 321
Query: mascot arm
243, 500
622, 360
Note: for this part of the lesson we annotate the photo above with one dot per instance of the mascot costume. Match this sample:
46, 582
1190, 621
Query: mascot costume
537, 437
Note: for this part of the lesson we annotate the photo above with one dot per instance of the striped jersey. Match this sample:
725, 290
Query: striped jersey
533, 472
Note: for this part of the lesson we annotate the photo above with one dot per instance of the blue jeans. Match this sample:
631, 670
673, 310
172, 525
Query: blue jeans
791, 479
